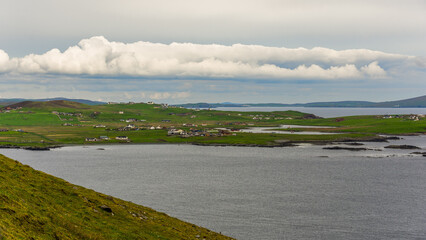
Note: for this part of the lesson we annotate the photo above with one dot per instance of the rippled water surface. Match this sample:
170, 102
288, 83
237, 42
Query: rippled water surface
302, 192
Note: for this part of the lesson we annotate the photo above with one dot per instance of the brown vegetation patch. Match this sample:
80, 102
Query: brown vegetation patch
54, 103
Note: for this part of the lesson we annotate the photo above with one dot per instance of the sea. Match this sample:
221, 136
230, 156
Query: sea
302, 192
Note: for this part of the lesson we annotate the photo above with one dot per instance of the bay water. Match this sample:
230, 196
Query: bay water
303, 192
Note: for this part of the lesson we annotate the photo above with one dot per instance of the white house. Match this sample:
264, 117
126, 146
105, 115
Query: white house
122, 138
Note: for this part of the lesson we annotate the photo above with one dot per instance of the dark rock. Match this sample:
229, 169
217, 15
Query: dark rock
345, 148
352, 143
311, 116
106, 208
393, 138
34, 148
420, 153
402, 147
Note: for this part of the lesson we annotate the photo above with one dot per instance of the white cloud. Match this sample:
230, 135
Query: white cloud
5, 63
167, 95
98, 56
374, 70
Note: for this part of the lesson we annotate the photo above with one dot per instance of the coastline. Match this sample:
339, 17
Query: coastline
277, 143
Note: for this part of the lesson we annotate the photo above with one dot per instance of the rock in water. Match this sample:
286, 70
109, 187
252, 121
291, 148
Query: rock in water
402, 147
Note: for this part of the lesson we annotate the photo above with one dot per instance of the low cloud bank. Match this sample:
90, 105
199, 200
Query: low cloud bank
97, 56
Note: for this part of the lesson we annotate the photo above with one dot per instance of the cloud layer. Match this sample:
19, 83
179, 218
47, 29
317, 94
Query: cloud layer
97, 56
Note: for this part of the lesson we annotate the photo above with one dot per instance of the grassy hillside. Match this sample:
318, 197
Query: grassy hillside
35, 205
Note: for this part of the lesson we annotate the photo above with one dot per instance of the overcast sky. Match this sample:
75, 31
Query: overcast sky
213, 51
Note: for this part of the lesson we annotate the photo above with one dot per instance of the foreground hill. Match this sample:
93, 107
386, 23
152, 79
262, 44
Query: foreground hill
35, 205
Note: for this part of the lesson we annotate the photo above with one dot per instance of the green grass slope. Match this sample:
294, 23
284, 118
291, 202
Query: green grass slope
35, 205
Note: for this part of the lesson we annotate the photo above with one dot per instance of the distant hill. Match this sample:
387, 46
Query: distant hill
9, 101
412, 102
417, 102
49, 104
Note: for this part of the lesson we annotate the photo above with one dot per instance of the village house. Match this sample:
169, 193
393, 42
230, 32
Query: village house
189, 125
104, 137
91, 139
131, 126
122, 138
414, 117
175, 132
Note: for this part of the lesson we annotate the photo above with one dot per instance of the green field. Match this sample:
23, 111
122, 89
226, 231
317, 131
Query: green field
63, 122
35, 205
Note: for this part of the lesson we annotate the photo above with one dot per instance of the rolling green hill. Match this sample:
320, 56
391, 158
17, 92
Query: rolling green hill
35, 205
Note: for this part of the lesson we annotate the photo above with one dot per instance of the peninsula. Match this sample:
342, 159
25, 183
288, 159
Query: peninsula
38, 125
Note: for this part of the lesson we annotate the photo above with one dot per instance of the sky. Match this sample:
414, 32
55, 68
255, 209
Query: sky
282, 51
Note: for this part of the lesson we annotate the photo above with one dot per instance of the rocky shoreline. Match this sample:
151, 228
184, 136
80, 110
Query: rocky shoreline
31, 148
278, 143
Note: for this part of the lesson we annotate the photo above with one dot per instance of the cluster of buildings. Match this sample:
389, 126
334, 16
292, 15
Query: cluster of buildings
106, 138
7, 130
218, 132
8, 109
67, 114
267, 117
414, 117
163, 105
